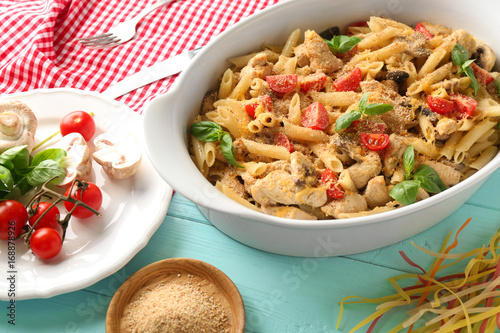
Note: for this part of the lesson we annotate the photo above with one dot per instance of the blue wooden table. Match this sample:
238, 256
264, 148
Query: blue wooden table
281, 294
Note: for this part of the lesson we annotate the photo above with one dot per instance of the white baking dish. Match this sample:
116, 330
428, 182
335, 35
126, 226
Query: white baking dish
166, 123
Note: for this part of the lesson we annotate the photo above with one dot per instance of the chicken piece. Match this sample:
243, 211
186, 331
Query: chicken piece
303, 170
315, 53
446, 126
368, 163
280, 187
288, 212
393, 154
258, 67
448, 174
465, 39
351, 203
416, 43
377, 192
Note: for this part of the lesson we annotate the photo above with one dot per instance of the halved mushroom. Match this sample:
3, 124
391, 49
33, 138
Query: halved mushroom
18, 125
119, 154
79, 161
485, 57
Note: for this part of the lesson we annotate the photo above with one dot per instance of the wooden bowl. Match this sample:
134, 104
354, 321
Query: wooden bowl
178, 269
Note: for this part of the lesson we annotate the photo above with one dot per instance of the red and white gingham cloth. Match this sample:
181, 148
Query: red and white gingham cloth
38, 46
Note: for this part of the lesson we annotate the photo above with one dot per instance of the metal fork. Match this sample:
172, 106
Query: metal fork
120, 33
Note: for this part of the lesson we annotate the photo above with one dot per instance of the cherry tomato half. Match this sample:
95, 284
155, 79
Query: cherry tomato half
280, 139
92, 196
374, 141
314, 81
13, 217
330, 179
315, 117
482, 76
439, 104
282, 83
349, 81
80, 122
263, 101
49, 219
464, 105
421, 28
45, 243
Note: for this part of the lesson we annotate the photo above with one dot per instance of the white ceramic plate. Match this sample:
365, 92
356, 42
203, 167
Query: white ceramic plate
96, 247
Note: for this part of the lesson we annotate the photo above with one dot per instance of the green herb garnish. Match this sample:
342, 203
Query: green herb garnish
460, 57
208, 131
424, 177
373, 109
18, 174
342, 44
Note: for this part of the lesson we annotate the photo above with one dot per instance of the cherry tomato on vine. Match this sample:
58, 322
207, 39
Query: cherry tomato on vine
45, 243
374, 141
92, 196
49, 219
80, 122
13, 217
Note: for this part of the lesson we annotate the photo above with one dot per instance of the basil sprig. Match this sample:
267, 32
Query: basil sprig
460, 57
424, 177
372, 109
19, 173
342, 44
208, 131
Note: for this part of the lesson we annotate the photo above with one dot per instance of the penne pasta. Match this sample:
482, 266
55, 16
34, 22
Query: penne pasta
309, 136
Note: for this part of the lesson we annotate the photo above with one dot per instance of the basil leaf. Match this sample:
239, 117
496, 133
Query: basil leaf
54, 154
207, 131
347, 43
227, 148
362, 102
342, 44
346, 120
6, 180
405, 192
44, 171
377, 108
409, 161
428, 173
470, 73
459, 55
15, 158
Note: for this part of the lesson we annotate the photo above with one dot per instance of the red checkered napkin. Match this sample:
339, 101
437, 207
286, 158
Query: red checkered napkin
38, 47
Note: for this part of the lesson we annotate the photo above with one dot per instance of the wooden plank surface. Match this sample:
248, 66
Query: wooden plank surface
281, 294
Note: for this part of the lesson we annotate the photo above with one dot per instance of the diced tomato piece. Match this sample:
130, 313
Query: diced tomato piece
349, 81
421, 28
315, 117
482, 76
265, 101
280, 139
439, 104
330, 179
369, 125
374, 141
345, 57
464, 105
283, 83
356, 24
314, 81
